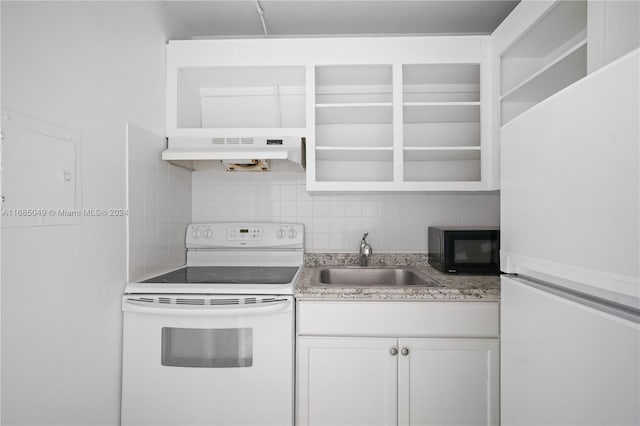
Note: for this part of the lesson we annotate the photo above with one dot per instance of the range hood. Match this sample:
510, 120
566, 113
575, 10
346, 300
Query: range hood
236, 154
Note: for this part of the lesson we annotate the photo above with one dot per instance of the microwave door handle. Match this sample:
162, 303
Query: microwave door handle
205, 310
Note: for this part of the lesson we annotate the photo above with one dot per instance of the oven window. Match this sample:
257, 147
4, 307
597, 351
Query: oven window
207, 348
473, 251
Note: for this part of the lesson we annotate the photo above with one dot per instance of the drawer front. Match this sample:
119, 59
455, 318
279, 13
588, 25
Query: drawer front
408, 319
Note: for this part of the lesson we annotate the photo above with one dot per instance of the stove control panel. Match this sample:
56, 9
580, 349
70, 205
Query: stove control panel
239, 235
204, 232
288, 232
235, 233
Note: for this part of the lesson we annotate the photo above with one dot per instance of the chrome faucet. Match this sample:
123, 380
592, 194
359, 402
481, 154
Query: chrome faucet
365, 251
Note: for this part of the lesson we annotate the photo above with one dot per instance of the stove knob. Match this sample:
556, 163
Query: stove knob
208, 233
281, 233
198, 233
292, 234
195, 234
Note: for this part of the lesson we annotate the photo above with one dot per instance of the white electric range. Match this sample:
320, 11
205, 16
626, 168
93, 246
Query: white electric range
212, 341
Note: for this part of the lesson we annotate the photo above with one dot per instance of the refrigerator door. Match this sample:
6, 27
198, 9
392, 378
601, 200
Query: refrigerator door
566, 361
571, 186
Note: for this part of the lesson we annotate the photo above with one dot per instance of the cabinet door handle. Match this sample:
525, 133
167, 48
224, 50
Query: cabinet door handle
393, 351
404, 351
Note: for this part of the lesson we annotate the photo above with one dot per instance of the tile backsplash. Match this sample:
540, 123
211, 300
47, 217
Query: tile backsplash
159, 202
336, 222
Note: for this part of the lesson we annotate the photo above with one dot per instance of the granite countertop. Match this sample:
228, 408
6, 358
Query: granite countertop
453, 287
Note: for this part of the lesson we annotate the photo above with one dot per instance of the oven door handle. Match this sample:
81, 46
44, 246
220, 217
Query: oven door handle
205, 310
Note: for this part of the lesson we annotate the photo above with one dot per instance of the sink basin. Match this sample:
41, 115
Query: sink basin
370, 277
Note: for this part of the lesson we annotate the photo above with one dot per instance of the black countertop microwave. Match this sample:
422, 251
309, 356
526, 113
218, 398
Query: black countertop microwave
464, 250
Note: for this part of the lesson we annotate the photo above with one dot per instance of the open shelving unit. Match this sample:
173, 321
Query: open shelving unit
376, 113
441, 123
354, 123
550, 56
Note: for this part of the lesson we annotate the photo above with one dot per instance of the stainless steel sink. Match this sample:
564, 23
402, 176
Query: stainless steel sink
370, 277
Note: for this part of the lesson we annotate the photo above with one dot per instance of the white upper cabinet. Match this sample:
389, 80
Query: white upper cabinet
377, 113
441, 123
548, 56
242, 97
413, 116
223, 99
544, 46
354, 124
392, 113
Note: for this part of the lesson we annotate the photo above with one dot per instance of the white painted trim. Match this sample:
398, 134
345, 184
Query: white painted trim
275, 132
1, 206
442, 148
517, 23
324, 51
387, 186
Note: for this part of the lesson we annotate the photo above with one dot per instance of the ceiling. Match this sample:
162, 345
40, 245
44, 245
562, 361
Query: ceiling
317, 18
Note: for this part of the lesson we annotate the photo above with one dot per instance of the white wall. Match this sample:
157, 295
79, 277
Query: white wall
335, 223
90, 67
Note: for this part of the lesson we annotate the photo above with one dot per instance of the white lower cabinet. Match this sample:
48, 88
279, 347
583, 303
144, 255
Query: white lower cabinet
421, 379
347, 381
448, 382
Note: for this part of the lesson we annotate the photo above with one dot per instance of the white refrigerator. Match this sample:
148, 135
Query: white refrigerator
570, 227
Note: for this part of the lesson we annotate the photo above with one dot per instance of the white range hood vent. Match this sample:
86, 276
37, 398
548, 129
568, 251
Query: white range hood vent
238, 154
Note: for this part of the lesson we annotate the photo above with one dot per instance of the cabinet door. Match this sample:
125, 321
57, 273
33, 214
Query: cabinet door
346, 381
448, 381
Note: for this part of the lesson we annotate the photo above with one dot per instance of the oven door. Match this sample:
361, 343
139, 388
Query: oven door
190, 360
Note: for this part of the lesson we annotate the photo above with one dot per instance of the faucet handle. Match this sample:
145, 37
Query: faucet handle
364, 237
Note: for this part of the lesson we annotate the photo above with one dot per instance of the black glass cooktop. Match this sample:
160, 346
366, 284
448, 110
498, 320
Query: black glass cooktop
228, 275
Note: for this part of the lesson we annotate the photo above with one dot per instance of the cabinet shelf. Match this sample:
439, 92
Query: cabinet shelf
569, 69
577, 52
442, 164
442, 153
445, 103
549, 56
350, 153
441, 134
441, 83
441, 108
354, 104
344, 94
346, 84
355, 113
346, 169
442, 113
354, 134
441, 93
